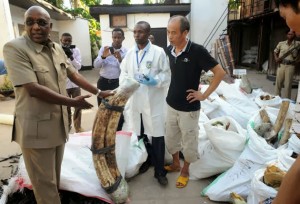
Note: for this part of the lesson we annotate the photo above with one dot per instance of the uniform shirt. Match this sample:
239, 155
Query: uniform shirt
76, 62
186, 70
283, 47
38, 124
110, 66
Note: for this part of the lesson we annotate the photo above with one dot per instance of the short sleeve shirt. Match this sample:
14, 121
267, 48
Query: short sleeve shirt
186, 70
283, 47
38, 124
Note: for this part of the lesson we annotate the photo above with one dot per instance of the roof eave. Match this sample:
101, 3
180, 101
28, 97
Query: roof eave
173, 9
54, 12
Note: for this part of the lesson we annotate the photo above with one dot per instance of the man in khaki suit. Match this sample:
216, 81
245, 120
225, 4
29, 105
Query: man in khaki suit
38, 69
286, 66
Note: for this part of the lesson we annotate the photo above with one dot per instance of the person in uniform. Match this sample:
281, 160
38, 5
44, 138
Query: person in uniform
38, 69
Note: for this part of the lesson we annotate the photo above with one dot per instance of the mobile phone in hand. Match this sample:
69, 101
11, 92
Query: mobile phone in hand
112, 50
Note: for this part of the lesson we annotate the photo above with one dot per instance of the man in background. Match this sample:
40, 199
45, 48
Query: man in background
74, 57
151, 38
285, 55
109, 60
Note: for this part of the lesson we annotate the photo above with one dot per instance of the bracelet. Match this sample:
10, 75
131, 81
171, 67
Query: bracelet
98, 93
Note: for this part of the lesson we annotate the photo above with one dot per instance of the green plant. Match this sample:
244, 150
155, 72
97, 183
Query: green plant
234, 4
120, 2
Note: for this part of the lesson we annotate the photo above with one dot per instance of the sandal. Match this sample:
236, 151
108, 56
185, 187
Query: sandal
182, 181
169, 168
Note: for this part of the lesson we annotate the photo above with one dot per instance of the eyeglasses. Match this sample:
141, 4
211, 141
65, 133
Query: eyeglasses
40, 22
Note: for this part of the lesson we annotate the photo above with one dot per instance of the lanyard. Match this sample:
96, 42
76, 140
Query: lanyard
137, 59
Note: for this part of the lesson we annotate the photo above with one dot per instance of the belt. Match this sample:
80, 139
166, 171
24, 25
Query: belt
287, 62
109, 80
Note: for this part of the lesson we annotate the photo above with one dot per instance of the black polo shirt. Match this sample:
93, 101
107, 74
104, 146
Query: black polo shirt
186, 70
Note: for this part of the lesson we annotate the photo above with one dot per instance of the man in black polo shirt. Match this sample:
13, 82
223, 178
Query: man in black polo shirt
187, 60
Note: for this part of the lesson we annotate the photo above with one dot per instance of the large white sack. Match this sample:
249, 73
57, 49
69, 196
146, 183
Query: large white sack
229, 143
137, 156
236, 98
224, 109
78, 172
255, 156
260, 191
275, 102
294, 143
122, 150
220, 150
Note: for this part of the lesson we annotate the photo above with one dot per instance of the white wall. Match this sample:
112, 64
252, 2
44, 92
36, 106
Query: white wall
157, 20
7, 32
204, 16
79, 29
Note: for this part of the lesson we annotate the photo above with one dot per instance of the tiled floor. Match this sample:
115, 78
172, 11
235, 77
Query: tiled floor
144, 188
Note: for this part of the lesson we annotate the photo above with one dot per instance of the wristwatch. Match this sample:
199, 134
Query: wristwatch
98, 93
103, 57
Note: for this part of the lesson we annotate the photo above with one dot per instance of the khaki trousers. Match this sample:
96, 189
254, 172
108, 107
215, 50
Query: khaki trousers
284, 77
43, 167
182, 131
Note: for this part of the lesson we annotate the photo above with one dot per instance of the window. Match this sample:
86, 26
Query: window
118, 21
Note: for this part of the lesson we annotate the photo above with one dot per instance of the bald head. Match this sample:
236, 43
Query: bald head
183, 22
37, 24
37, 9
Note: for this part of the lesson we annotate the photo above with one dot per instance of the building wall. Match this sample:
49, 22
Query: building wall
78, 28
7, 32
204, 16
157, 20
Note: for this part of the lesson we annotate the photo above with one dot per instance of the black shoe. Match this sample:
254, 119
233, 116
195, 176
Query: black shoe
162, 180
181, 155
145, 166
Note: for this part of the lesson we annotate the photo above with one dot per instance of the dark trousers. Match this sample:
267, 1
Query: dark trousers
109, 84
72, 93
106, 84
155, 150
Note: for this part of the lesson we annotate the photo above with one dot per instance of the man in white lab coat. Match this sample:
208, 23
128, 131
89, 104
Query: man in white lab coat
149, 65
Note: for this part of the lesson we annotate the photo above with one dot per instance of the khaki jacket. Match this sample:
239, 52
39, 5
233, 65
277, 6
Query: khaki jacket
38, 124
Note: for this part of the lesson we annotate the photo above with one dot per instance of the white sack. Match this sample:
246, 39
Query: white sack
78, 172
216, 153
260, 191
236, 98
137, 156
275, 102
220, 107
294, 143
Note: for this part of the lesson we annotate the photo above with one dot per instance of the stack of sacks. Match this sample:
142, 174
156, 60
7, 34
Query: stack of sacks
217, 107
255, 156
